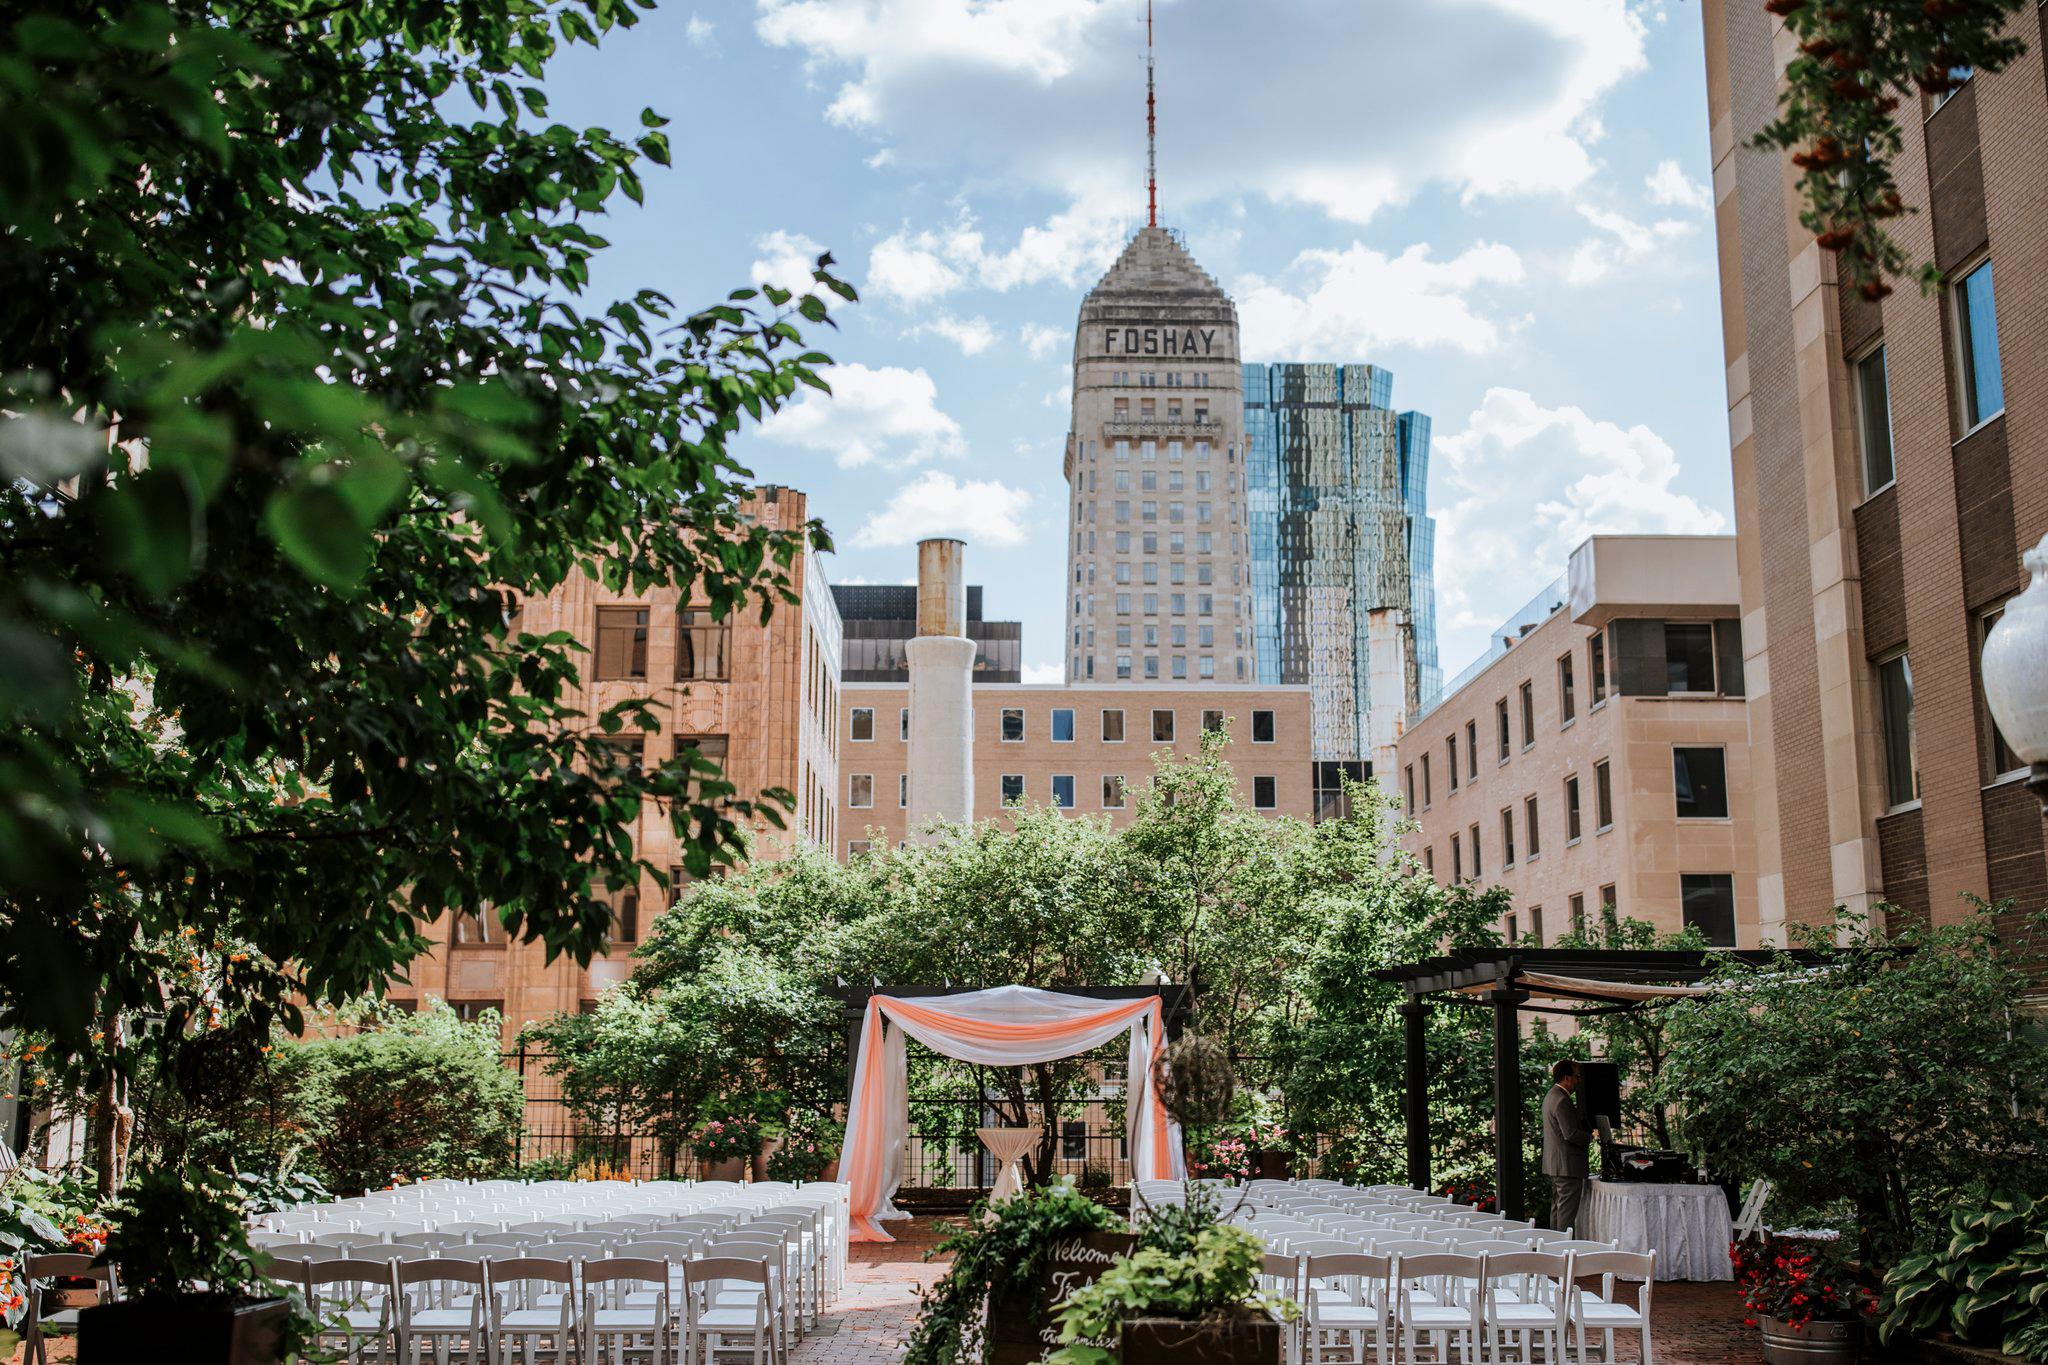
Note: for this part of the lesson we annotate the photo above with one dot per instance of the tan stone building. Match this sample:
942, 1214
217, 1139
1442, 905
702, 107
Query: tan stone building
1085, 749
762, 700
1598, 754
1890, 463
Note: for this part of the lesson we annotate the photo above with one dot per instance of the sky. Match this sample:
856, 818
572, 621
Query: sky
1503, 202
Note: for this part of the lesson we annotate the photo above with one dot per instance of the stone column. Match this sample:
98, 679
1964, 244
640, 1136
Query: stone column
1387, 708
941, 764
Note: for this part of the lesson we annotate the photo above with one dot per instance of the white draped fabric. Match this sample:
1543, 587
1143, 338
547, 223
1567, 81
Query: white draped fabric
1686, 1225
1003, 1026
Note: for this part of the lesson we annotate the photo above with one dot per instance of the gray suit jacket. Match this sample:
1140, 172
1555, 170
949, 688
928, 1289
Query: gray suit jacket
1565, 1135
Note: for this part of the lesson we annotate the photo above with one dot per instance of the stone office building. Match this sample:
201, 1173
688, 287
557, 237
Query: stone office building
880, 620
1890, 463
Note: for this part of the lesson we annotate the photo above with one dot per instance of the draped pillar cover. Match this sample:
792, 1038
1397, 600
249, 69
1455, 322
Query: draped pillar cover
1004, 1026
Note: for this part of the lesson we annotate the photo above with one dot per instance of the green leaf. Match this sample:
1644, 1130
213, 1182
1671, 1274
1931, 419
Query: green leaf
316, 528
153, 529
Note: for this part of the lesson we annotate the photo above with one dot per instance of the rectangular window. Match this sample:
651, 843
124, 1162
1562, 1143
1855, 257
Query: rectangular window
1112, 726
1262, 727
1874, 421
472, 926
1408, 779
621, 643
1063, 725
1567, 698
713, 747
1500, 716
1603, 797
1012, 788
856, 847
469, 1011
1427, 795
1532, 828
1901, 745
1457, 861
1112, 791
1473, 834
1429, 861
1513, 933
1472, 750
2003, 758
860, 790
1596, 657
1451, 761
1708, 901
903, 789
703, 647
1699, 776
1610, 902
1162, 727
1578, 912
1536, 924
1212, 722
861, 727
1264, 789
625, 755
1074, 1140
1063, 790
1983, 383
1528, 714
1013, 725
1689, 656
1571, 810
903, 724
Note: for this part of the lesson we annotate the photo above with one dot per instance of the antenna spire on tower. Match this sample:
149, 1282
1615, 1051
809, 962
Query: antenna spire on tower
1151, 131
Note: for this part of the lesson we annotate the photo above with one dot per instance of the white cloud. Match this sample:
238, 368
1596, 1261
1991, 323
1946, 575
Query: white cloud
1045, 673
1671, 186
1627, 242
901, 272
1357, 301
701, 33
971, 335
790, 260
979, 511
1040, 339
887, 414
1061, 397
911, 267
1517, 490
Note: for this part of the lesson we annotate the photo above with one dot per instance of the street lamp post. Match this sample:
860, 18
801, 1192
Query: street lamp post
2015, 666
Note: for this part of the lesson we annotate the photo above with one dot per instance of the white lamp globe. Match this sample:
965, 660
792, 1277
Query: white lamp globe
2015, 670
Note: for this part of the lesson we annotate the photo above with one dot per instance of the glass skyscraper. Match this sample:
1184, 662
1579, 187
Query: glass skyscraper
1338, 526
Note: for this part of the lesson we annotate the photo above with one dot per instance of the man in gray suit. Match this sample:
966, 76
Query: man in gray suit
1565, 1141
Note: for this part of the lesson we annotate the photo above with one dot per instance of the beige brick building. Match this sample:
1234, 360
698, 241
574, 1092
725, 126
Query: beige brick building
1598, 754
1087, 749
1890, 462
763, 700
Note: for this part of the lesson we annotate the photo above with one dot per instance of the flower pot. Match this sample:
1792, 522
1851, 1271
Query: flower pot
1819, 1342
731, 1168
831, 1171
769, 1147
1201, 1341
1275, 1166
188, 1329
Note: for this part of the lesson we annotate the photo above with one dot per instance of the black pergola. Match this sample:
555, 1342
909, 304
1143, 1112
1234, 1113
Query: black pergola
1577, 982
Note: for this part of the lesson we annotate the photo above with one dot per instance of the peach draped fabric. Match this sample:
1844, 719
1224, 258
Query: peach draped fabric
1005, 1026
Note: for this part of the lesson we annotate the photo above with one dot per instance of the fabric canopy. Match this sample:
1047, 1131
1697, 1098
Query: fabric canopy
1004, 1026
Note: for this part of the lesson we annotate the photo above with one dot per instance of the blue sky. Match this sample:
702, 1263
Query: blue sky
1502, 201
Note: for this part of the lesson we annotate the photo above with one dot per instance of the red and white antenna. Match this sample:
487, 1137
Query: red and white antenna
1151, 131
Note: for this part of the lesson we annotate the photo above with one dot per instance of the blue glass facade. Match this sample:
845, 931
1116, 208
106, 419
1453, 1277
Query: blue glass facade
1337, 523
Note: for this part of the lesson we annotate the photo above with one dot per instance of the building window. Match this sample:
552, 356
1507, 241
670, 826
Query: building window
1212, 722
1567, 697
1578, 912
1596, 657
1513, 933
1451, 761
1500, 717
856, 847
1074, 1140
1603, 797
1112, 791
1571, 809
860, 790
1700, 779
1427, 796
862, 725
1532, 828
1472, 750
1264, 792
903, 724
1012, 788
469, 1011
1528, 714
1263, 730
1408, 778
712, 747
625, 904
1874, 420
1112, 726
903, 790
621, 643
1689, 656
1901, 750
1473, 835
1536, 924
703, 647
1610, 902
1063, 725
471, 926
1162, 727
1457, 861
1982, 382
1063, 790
1429, 861
625, 755
2003, 759
1013, 725
1708, 900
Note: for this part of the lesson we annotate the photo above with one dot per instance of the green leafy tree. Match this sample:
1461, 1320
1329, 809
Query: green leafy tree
303, 393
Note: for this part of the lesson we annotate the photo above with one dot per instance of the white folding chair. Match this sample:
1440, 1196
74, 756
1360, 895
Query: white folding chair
433, 1310
1435, 1300
1604, 1312
724, 1326
531, 1309
1751, 1220
1524, 1303
1355, 1311
351, 1300
36, 1272
615, 1315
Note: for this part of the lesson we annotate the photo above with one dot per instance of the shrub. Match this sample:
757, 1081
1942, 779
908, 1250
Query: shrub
1797, 1281
1984, 1277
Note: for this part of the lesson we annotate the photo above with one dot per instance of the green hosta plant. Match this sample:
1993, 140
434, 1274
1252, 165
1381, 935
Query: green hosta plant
1217, 1277
1987, 1283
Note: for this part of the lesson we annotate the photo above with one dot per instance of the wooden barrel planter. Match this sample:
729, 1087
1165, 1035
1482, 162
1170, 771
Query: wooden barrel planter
188, 1329
1246, 1340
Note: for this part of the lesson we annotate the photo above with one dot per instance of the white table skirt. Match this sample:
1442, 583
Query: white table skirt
1686, 1225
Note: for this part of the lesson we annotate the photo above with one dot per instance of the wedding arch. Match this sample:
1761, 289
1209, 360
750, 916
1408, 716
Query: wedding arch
1002, 1026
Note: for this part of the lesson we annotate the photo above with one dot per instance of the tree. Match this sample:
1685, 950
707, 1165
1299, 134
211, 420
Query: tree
1885, 1079
302, 396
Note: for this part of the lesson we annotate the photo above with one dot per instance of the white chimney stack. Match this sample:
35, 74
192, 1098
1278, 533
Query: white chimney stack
941, 691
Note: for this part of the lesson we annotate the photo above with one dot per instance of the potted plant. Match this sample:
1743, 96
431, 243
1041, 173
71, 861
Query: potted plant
1272, 1148
808, 1151
169, 1237
1805, 1296
726, 1144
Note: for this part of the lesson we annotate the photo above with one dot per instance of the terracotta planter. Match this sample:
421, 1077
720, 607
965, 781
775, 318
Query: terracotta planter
1210, 1341
1817, 1343
1275, 1166
191, 1329
768, 1149
831, 1171
732, 1168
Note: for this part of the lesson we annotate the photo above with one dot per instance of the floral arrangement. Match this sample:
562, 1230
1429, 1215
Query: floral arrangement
1473, 1192
1227, 1157
1797, 1282
726, 1139
808, 1147
1270, 1135
12, 1300
86, 1235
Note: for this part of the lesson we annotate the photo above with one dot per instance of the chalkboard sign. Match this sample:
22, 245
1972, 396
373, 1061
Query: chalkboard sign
1017, 1336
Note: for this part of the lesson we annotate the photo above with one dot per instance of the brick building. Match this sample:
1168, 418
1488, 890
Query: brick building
1890, 462
761, 699
1598, 753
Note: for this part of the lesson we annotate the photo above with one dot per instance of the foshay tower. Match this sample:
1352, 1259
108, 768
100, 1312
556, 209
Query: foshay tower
1157, 588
